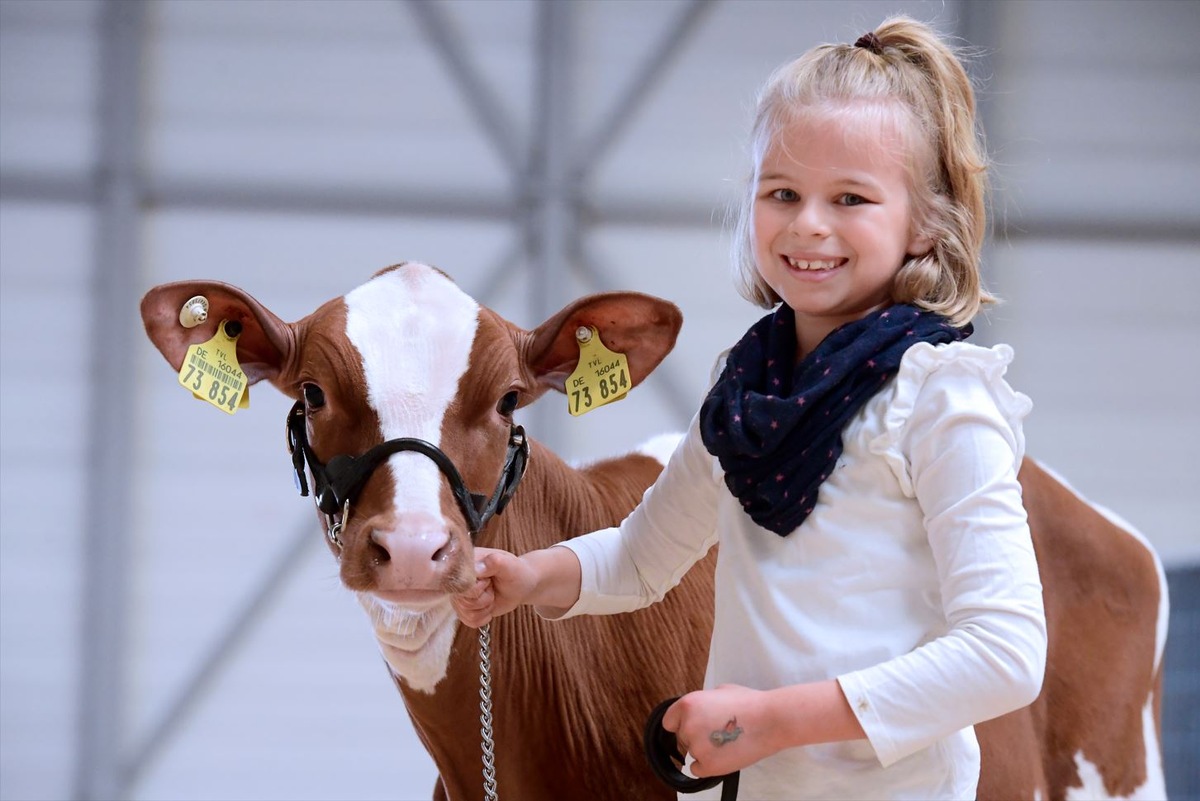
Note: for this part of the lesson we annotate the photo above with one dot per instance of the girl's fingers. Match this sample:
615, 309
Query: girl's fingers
480, 604
673, 716
486, 562
472, 593
473, 613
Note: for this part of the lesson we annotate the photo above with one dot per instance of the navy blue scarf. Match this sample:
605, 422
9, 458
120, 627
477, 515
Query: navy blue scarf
776, 427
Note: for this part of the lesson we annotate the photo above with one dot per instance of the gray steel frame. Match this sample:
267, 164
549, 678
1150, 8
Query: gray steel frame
118, 194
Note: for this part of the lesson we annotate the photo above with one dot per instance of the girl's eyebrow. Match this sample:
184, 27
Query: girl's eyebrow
857, 183
849, 181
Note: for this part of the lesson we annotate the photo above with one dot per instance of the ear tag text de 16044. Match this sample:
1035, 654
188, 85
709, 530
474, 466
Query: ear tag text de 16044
600, 378
211, 371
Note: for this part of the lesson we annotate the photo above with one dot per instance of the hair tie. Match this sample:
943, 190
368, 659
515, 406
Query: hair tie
869, 41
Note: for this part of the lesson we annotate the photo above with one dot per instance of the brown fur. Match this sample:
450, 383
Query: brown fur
571, 696
1101, 593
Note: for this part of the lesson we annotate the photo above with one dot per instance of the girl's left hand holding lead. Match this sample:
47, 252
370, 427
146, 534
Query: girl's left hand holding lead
723, 729
731, 727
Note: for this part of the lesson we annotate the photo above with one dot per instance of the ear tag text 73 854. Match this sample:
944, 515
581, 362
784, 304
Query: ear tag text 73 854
211, 371
600, 378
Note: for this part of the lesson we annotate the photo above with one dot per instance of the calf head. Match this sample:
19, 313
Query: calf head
408, 374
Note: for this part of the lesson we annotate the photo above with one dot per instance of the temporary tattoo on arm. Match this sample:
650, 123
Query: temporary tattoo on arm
726, 735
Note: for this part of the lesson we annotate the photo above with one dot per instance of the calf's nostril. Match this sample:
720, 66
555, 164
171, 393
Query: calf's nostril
409, 545
378, 554
443, 554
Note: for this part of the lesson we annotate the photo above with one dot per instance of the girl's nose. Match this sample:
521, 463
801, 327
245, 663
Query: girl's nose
809, 220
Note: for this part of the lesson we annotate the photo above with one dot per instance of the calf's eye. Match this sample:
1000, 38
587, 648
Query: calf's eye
508, 403
314, 398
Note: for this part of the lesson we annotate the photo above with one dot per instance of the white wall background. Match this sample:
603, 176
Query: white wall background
170, 625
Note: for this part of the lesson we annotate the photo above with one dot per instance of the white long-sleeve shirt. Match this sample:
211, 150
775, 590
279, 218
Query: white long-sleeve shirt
913, 581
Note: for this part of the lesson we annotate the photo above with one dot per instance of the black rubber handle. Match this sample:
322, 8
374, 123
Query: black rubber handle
662, 750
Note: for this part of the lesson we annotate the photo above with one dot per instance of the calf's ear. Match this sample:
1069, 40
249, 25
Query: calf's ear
263, 347
642, 327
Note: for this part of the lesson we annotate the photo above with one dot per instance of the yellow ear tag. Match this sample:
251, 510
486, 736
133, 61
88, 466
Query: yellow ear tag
600, 378
210, 370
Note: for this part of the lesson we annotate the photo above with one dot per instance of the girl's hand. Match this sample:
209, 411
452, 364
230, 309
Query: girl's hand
724, 729
731, 727
503, 582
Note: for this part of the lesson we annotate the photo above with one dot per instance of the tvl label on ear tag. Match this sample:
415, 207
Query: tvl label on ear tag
211, 371
600, 378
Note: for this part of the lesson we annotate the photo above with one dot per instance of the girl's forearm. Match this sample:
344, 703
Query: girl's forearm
559, 578
807, 714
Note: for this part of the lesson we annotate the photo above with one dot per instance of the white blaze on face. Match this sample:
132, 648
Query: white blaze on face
414, 329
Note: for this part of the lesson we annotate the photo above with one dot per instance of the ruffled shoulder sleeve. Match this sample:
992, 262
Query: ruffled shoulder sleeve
952, 381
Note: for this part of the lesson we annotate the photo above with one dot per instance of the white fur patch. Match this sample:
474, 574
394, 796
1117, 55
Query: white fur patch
1153, 789
415, 643
414, 329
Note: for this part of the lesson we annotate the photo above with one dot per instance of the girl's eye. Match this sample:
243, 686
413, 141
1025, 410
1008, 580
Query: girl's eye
786, 195
314, 398
851, 199
508, 404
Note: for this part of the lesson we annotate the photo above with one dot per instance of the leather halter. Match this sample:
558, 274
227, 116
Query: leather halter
339, 481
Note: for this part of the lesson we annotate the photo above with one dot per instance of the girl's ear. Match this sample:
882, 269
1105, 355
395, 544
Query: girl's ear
920, 244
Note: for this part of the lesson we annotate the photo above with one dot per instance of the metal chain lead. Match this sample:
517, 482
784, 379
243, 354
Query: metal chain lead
485, 712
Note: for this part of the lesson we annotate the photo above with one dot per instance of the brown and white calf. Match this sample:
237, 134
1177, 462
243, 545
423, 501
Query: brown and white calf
409, 355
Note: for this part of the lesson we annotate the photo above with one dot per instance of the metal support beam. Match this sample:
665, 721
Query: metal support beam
435, 24
43, 187
237, 631
977, 23
359, 202
651, 71
106, 551
667, 213
501, 274
554, 220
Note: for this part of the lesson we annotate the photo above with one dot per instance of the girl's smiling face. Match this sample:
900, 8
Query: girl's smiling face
833, 219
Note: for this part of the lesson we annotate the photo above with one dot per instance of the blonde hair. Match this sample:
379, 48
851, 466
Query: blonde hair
905, 65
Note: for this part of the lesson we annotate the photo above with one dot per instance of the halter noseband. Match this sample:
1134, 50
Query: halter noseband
339, 481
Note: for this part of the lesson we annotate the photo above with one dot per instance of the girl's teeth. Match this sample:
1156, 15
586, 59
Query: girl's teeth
800, 264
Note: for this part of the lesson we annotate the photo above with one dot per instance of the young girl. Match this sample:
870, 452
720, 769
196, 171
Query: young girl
877, 592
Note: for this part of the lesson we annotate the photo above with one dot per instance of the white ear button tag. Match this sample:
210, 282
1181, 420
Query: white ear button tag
194, 312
